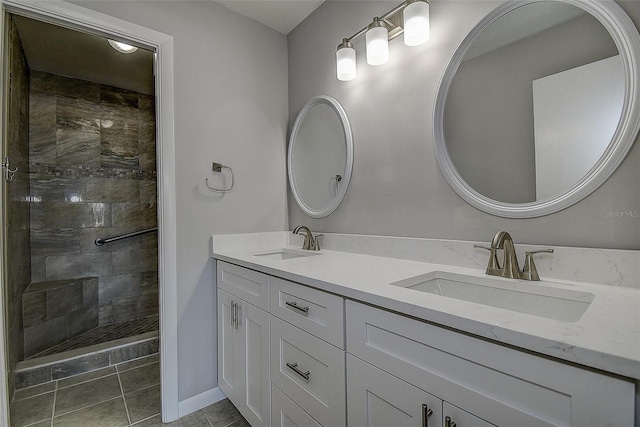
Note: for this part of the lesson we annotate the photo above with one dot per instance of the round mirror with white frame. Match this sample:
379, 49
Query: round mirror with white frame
320, 156
538, 106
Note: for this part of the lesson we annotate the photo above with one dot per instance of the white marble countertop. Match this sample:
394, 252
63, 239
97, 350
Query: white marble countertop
606, 337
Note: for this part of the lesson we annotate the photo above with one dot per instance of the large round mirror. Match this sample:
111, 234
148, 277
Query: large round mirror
539, 105
320, 156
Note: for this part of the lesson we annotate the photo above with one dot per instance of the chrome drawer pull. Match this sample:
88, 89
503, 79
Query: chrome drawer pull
303, 310
426, 414
294, 368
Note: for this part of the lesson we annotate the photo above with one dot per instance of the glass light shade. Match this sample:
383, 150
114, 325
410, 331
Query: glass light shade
122, 47
416, 23
377, 45
346, 63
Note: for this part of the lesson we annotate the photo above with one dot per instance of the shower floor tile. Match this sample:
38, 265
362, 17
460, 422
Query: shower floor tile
104, 334
102, 402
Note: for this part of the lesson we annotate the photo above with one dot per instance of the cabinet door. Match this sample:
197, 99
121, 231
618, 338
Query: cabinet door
254, 324
243, 357
378, 399
230, 374
461, 418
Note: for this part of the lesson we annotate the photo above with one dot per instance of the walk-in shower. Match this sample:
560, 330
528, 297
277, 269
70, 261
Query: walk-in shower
81, 209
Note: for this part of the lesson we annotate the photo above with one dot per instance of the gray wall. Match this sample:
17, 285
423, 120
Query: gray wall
397, 188
230, 107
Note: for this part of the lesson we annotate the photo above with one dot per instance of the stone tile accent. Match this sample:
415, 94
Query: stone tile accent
79, 365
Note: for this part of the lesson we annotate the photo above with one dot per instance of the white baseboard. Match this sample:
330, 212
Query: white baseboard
199, 401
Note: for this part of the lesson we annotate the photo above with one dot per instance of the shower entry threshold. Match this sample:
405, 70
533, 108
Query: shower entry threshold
39, 370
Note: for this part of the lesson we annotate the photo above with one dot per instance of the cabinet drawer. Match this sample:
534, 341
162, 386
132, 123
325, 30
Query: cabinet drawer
317, 312
285, 412
249, 285
462, 418
501, 385
310, 371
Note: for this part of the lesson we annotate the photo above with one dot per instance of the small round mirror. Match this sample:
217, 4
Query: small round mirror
320, 156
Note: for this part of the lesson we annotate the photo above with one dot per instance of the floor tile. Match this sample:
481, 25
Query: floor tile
139, 378
111, 413
240, 423
77, 379
34, 391
143, 403
196, 419
31, 410
86, 394
222, 413
125, 366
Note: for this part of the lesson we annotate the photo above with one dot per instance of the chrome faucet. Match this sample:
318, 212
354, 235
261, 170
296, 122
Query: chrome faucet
311, 243
510, 268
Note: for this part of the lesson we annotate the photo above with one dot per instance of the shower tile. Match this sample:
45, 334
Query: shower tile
126, 262
118, 97
44, 82
44, 335
79, 365
105, 315
32, 377
55, 188
149, 282
31, 410
54, 242
64, 300
142, 349
76, 88
148, 191
125, 309
119, 136
36, 216
125, 366
81, 265
34, 308
77, 114
82, 321
149, 241
148, 305
42, 144
90, 291
86, 394
139, 378
119, 286
134, 215
77, 147
96, 215
38, 268
143, 403
111, 413
109, 190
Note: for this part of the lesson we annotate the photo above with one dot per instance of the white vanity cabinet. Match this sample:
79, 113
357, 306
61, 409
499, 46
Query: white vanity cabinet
243, 343
478, 382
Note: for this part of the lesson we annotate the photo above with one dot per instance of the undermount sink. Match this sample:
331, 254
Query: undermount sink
282, 254
534, 298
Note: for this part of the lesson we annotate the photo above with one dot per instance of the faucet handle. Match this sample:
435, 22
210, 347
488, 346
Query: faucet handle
316, 242
493, 268
529, 271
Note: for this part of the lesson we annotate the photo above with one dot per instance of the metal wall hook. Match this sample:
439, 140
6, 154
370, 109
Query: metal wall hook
8, 172
217, 167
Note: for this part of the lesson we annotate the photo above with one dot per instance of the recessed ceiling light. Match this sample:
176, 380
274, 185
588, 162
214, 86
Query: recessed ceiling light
122, 47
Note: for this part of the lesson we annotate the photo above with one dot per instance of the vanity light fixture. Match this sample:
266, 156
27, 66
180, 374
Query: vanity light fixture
122, 47
410, 18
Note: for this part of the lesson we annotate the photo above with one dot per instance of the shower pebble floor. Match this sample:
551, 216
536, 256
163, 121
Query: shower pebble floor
126, 394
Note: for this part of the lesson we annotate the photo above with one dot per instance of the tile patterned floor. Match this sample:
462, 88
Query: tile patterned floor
105, 334
127, 394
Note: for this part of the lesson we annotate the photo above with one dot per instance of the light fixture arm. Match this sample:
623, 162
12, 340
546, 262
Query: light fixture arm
392, 18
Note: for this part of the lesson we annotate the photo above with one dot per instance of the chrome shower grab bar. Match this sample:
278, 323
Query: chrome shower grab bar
100, 242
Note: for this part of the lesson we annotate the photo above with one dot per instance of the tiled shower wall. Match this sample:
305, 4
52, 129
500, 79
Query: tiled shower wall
93, 174
18, 249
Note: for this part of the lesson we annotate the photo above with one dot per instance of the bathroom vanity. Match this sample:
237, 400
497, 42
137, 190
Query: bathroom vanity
335, 338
